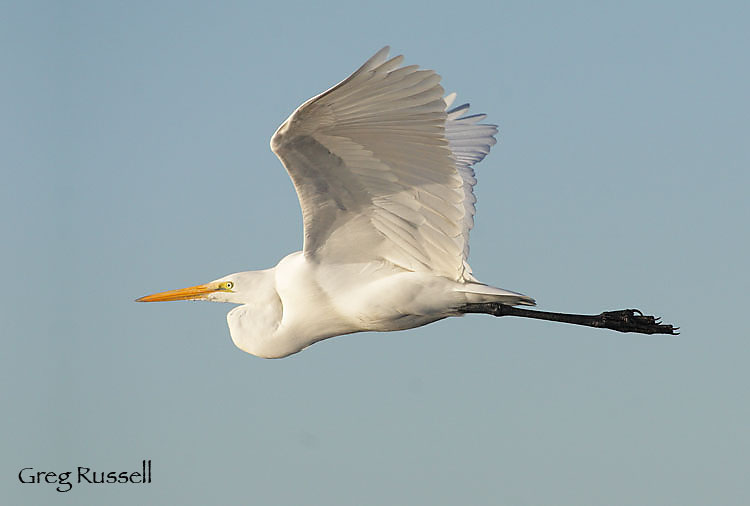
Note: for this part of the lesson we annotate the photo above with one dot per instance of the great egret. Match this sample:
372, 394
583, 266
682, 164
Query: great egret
382, 166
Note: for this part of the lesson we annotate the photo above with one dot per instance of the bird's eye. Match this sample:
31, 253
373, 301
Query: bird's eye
228, 285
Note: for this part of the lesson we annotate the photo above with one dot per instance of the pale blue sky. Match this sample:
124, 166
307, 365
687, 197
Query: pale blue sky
135, 158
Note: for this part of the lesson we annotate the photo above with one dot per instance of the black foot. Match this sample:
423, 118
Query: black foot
632, 320
625, 320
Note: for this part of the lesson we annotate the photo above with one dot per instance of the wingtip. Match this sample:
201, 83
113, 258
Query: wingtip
382, 53
375, 60
449, 99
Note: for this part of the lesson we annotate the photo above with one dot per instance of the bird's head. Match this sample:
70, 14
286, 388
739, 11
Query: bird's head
231, 288
254, 323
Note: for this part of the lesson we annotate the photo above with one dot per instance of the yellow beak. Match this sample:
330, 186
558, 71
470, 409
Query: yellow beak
197, 292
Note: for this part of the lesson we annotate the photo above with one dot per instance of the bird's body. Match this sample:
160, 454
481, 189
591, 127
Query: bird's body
383, 171
302, 301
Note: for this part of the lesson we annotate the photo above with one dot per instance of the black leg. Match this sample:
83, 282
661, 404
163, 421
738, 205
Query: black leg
624, 320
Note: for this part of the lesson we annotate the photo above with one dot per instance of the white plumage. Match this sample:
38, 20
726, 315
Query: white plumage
383, 171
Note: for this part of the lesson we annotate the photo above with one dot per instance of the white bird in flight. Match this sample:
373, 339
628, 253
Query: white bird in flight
382, 166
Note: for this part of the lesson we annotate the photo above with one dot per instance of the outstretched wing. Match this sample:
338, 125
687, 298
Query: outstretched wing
383, 171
